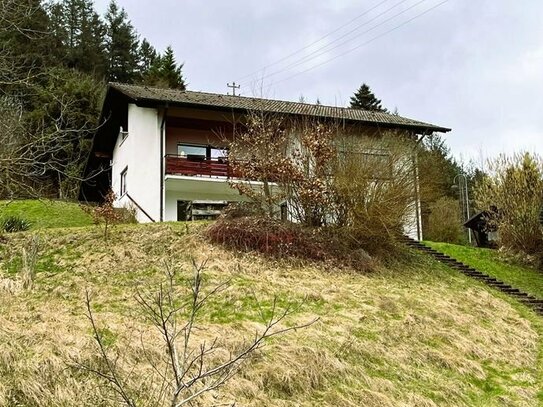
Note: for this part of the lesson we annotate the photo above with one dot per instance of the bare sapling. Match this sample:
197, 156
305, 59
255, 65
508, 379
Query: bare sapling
188, 367
105, 214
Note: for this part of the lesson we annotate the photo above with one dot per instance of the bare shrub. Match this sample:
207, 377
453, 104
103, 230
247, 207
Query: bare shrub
105, 214
444, 223
275, 238
513, 195
309, 184
186, 369
374, 188
241, 210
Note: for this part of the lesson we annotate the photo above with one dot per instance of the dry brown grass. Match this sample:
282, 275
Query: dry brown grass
410, 335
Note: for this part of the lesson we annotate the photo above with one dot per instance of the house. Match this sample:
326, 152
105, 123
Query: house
161, 150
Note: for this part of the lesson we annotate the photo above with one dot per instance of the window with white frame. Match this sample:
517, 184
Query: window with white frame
123, 181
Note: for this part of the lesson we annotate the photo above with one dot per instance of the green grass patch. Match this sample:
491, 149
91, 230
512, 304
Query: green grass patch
45, 214
487, 261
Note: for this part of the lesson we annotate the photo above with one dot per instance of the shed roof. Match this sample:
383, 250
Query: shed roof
153, 96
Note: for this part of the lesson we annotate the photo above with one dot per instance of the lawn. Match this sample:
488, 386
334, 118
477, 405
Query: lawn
44, 214
488, 261
414, 333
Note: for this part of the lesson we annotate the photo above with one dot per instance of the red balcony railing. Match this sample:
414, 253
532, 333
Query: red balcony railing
214, 167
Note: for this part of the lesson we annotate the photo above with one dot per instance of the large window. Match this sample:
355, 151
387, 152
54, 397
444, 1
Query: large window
192, 152
199, 153
123, 181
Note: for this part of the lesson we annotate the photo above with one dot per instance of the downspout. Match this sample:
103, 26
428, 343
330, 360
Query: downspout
417, 188
162, 155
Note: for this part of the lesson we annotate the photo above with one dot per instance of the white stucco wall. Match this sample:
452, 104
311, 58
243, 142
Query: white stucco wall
140, 154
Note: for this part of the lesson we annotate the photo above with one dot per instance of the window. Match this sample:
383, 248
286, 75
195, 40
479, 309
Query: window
192, 152
123, 181
217, 153
199, 153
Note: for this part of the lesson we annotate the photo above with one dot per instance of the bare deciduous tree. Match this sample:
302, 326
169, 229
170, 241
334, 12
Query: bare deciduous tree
28, 160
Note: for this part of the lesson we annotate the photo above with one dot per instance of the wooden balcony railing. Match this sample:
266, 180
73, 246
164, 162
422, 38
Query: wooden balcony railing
214, 167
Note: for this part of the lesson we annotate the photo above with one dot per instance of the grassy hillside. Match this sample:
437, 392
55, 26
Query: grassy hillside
45, 213
487, 260
414, 334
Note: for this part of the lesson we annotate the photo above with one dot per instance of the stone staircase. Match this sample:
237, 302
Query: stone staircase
527, 299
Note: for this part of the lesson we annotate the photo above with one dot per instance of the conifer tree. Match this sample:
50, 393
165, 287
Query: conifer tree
79, 32
165, 72
121, 46
364, 98
147, 56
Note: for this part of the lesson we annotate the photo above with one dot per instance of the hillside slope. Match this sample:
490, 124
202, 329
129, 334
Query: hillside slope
43, 214
414, 334
488, 261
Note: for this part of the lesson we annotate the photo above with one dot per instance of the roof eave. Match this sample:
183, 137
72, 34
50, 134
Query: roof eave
148, 102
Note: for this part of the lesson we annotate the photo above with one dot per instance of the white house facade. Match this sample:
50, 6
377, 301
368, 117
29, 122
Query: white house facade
162, 152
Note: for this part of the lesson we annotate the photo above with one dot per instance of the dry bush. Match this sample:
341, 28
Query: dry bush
279, 239
327, 176
242, 209
444, 223
374, 188
513, 195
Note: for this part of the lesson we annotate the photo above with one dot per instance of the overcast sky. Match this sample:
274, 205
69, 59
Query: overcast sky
475, 66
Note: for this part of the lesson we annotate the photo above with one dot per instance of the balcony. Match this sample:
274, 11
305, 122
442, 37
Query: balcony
205, 167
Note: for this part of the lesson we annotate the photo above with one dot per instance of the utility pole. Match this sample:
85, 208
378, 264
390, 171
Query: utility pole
234, 87
464, 199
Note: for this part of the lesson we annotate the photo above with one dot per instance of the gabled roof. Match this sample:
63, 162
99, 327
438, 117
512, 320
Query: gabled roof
144, 95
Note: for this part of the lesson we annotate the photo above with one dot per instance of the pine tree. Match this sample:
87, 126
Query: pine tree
79, 31
147, 56
364, 98
165, 73
121, 46
170, 71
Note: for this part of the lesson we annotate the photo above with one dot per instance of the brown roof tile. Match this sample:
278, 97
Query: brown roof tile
145, 94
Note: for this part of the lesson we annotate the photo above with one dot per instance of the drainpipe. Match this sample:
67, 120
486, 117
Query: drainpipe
162, 155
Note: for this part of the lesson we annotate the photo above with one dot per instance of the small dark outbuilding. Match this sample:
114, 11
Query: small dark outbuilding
486, 234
